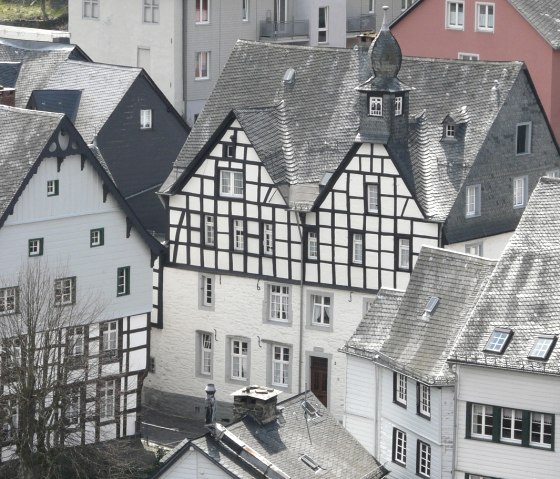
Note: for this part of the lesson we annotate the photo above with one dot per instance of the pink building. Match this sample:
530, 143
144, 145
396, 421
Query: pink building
525, 30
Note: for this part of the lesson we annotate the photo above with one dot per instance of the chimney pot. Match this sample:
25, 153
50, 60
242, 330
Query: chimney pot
210, 390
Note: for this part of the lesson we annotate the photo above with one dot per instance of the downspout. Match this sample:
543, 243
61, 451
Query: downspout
455, 421
183, 55
378, 395
302, 276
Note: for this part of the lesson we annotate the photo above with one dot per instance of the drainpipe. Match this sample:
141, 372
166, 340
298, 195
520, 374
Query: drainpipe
183, 55
302, 276
455, 407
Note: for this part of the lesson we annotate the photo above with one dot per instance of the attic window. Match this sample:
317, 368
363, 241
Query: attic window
310, 462
310, 411
398, 105
449, 131
498, 341
543, 347
289, 77
431, 304
375, 106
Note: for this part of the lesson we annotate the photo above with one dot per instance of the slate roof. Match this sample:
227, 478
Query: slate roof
523, 291
544, 17
59, 101
397, 332
283, 442
316, 116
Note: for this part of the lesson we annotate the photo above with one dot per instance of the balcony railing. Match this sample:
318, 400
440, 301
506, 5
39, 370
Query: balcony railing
363, 23
284, 30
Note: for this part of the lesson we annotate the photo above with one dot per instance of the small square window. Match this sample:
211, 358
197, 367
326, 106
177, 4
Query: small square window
375, 106
231, 183
449, 130
474, 249
90, 9
96, 237
35, 247
398, 105
498, 341
523, 138
485, 17
146, 119
151, 11
123, 281
65, 291
229, 150
543, 347
455, 15
52, 188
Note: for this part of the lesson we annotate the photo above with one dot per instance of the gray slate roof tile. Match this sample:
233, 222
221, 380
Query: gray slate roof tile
544, 16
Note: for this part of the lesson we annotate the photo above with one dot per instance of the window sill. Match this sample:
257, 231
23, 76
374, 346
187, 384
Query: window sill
425, 416
474, 215
201, 78
456, 29
399, 463
518, 207
483, 30
143, 128
202, 23
400, 404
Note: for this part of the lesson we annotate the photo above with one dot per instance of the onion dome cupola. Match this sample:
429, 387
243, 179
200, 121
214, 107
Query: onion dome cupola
384, 99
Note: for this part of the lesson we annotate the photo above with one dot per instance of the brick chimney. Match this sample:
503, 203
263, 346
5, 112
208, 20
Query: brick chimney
257, 402
7, 96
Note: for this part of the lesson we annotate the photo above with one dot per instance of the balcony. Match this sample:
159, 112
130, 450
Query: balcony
294, 30
363, 23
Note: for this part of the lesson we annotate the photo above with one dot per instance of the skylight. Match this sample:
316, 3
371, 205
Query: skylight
498, 341
309, 409
431, 304
543, 347
310, 462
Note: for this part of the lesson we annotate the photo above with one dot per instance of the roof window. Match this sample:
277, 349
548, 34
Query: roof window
543, 347
498, 341
310, 410
431, 304
310, 462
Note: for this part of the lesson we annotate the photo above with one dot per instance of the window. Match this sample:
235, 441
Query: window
201, 66
541, 430
399, 447
96, 237
469, 56
373, 198
553, 173
398, 105
320, 310
520, 192
64, 291
357, 248
399, 389
206, 354
245, 10
405, 4
423, 459
498, 341
90, 8
543, 347
482, 421
375, 106
523, 138
403, 260
52, 188
107, 400
231, 183
76, 341
109, 336
209, 230
8, 300
123, 281
151, 11
281, 366
11, 419
449, 130
485, 17
512, 425
239, 359
146, 119
279, 302
322, 30
431, 304
424, 400
73, 407
206, 290
35, 247
371, 6
268, 239
238, 229
473, 201
201, 13
312, 245
455, 15
474, 249
229, 150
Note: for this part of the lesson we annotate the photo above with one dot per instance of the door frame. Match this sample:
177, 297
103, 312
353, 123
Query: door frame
328, 357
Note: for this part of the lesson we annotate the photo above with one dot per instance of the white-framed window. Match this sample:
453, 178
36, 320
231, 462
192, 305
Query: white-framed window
523, 138
110, 331
201, 66
398, 105
474, 248
268, 238
52, 187
281, 366
312, 245
553, 173
245, 10
541, 430
73, 407
543, 347
512, 425
498, 341
399, 446
371, 6
207, 290
64, 291
405, 4
238, 226
209, 230
424, 400
520, 191
151, 11
357, 248
76, 341
400, 388
90, 8
455, 15
473, 201
404, 253
373, 198
482, 421
323, 25
279, 302
123, 280
35, 247
485, 17
8, 300
321, 312
206, 354
375, 106
239, 359
231, 183
146, 119
202, 11
424, 459
107, 400
449, 130
96, 237
468, 56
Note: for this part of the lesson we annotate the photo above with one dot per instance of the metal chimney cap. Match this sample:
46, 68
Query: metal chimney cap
210, 389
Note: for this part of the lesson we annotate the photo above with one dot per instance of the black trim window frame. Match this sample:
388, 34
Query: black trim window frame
542, 347
423, 400
238, 235
399, 264
398, 455
96, 237
368, 207
35, 247
209, 231
423, 459
498, 341
400, 389
53, 188
523, 143
123, 280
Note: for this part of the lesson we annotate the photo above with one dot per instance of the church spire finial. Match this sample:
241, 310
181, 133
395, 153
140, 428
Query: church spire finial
385, 52
384, 26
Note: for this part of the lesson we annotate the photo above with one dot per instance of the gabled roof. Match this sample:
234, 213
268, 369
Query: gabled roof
313, 121
284, 441
58, 101
398, 332
523, 291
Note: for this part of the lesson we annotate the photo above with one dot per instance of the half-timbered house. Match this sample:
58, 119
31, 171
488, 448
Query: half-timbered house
312, 179
61, 212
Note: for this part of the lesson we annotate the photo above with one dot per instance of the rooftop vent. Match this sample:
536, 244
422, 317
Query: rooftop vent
310, 462
289, 77
311, 411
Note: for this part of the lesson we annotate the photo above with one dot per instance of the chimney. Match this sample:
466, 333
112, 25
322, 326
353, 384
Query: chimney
257, 402
7, 96
210, 405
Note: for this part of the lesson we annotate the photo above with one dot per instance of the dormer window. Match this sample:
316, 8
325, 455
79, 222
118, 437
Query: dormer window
398, 105
375, 106
449, 131
543, 347
498, 341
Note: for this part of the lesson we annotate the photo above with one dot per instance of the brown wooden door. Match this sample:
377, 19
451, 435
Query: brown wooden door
319, 378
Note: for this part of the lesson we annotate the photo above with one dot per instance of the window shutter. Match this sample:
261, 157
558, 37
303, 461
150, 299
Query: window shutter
478, 199
395, 379
73, 289
394, 441
468, 421
418, 445
496, 423
418, 400
553, 432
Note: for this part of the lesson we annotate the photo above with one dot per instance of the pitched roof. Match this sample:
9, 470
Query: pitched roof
522, 292
397, 330
315, 118
544, 17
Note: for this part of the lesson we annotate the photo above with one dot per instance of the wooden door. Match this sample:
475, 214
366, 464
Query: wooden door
319, 378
